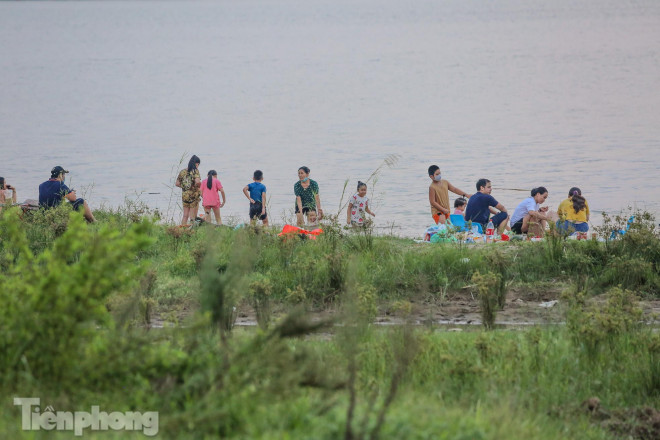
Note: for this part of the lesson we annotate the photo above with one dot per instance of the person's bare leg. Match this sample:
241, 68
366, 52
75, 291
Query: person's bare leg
534, 228
442, 219
216, 213
502, 226
207, 214
88, 213
525, 225
540, 230
265, 222
186, 214
193, 211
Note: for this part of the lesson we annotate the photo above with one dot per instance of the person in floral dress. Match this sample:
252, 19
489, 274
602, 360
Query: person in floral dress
358, 207
189, 180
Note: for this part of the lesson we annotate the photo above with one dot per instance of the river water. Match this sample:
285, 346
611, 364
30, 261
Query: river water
523, 92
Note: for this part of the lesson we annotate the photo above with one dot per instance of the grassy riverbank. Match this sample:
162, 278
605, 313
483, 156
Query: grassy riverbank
77, 298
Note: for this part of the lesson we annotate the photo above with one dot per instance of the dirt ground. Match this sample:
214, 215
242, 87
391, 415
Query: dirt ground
461, 310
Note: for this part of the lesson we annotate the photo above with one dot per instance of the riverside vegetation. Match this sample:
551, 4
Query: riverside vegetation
77, 303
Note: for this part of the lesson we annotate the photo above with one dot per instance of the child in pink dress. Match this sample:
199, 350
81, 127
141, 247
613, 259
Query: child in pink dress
210, 198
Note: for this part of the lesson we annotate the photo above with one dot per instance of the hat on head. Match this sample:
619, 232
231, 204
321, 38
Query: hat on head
56, 171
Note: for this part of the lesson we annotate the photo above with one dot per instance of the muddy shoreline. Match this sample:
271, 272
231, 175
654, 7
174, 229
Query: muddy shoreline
457, 309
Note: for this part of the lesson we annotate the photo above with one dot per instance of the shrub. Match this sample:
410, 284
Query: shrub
487, 287
592, 325
630, 273
260, 289
53, 301
652, 377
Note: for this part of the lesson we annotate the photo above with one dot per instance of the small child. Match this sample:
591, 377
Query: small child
357, 206
210, 199
256, 194
459, 206
312, 218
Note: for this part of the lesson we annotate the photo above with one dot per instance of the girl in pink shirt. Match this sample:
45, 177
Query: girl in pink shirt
459, 206
210, 198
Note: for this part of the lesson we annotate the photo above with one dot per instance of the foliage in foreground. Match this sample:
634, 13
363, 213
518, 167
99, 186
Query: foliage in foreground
207, 380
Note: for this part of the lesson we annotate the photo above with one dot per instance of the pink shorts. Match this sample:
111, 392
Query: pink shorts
212, 206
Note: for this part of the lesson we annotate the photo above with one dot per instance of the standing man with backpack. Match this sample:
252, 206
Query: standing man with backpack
189, 181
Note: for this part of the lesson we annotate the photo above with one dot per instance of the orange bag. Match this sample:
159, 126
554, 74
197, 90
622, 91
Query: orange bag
289, 230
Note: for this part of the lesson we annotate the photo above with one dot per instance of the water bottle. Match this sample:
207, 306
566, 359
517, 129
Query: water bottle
490, 231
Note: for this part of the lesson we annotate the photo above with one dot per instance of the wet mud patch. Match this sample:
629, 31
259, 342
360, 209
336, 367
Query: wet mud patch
642, 423
637, 423
524, 306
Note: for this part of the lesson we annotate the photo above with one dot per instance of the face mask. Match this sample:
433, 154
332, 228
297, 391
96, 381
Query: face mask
438, 178
305, 179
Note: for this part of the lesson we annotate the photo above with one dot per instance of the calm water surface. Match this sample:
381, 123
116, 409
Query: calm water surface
524, 93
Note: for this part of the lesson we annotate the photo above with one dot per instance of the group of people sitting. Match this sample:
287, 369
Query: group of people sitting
51, 193
529, 217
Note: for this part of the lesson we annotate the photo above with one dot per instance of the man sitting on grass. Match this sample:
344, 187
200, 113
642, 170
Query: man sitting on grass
482, 204
52, 191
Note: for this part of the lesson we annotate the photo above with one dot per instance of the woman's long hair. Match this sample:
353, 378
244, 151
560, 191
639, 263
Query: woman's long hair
194, 160
579, 203
209, 180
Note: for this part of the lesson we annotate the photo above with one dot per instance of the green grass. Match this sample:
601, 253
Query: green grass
75, 298
315, 271
515, 385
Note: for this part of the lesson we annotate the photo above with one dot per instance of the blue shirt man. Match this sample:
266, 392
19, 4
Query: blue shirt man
53, 191
481, 204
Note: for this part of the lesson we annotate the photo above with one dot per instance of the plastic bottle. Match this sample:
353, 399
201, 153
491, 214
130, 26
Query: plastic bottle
490, 231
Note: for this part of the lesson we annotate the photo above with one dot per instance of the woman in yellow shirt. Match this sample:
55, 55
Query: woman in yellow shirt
573, 212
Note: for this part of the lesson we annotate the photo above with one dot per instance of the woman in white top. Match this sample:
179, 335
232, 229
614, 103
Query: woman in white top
529, 217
